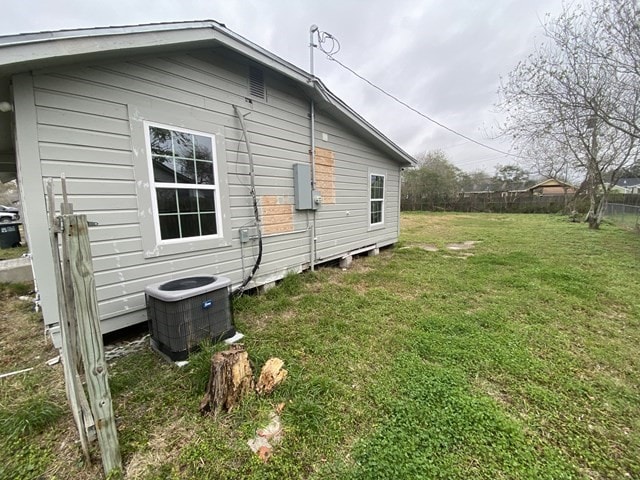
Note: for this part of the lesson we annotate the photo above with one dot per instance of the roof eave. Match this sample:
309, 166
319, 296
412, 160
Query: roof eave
541, 184
25, 52
318, 91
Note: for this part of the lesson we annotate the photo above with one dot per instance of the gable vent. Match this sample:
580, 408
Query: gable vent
256, 83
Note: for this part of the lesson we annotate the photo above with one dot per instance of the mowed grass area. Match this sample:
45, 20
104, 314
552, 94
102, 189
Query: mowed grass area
11, 253
519, 361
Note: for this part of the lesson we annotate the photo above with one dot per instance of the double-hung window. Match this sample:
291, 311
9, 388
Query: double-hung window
184, 183
376, 199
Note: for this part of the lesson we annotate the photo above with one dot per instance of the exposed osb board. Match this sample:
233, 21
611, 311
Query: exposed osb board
276, 214
326, 175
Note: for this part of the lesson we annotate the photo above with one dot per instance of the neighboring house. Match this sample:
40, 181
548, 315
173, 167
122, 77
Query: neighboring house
548, 187
551, 187
142, 121
627, 185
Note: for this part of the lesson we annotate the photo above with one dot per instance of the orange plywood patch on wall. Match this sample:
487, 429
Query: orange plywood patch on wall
325, 175
276, 214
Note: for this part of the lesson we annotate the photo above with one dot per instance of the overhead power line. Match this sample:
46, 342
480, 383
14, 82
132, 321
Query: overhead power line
329, 53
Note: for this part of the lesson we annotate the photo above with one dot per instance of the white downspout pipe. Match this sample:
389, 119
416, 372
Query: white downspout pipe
313, 182
312, 122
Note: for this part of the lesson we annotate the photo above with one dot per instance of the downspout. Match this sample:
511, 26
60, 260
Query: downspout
256, 212
312, 122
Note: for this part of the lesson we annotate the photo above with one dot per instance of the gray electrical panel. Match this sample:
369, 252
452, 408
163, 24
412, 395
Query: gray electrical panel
302, 187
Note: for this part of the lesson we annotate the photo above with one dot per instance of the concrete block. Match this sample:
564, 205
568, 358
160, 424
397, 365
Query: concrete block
16, 270
345, 262
266, 287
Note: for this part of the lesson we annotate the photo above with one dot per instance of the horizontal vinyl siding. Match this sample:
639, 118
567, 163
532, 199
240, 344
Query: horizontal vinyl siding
344, 226
84, 132
130, 281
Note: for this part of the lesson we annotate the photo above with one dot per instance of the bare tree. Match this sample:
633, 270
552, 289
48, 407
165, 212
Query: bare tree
607, 36
434, 178
570, 104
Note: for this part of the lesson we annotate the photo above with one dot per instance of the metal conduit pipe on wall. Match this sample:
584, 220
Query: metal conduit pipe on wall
313, 185
256, 212
312, 115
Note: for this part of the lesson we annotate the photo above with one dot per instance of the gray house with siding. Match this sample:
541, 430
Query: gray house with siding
148, 122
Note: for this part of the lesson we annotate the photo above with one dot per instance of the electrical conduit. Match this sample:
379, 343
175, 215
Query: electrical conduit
256, 212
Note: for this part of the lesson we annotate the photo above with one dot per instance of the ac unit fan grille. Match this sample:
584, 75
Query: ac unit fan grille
179, 327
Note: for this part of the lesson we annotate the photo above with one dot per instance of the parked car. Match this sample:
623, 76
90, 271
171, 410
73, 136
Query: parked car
4, 208
9, 210
6, 217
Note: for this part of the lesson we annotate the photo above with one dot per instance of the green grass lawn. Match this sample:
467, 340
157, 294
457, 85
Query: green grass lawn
629, 220
517, 358
11, 253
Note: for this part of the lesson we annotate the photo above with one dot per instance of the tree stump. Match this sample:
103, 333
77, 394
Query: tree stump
271, 376
230, 379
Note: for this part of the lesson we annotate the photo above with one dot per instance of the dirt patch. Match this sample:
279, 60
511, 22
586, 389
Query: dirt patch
22, 342
359, 266
164, 447
494, 391
260, 322
468, 245
425, 247
69, 462
361, 288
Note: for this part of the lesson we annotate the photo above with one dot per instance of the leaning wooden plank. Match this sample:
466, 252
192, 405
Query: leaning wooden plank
72, 387
67, 209
76, 234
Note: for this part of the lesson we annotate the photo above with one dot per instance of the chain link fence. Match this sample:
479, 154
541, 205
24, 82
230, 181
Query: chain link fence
494, 202
622, 209
627, 216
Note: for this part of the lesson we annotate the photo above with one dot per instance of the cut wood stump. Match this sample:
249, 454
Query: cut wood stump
231, 378
271, 376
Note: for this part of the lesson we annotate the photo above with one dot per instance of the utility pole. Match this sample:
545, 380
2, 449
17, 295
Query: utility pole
312, 149
312, 30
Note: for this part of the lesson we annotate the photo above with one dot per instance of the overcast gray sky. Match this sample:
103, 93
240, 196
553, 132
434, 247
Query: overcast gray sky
444, 58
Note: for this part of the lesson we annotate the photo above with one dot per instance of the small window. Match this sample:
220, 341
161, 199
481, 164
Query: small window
256, 83
184, 181
376, 199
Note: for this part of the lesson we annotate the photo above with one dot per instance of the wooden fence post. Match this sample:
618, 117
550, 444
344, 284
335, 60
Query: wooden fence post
75, 237
73, 386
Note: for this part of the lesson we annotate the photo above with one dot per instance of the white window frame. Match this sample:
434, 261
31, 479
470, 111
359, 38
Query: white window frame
382, 200
186, 186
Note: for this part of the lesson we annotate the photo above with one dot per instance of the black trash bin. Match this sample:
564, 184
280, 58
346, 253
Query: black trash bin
9, 235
